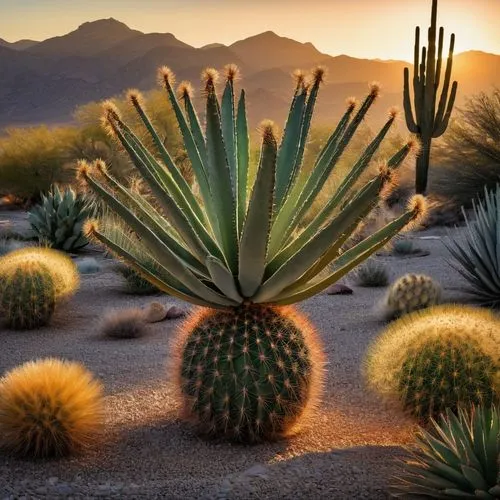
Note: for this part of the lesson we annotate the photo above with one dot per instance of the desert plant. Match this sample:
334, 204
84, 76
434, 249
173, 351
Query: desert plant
135, 283
371, 273
58, 220
49, 407
443, 357
124, 323
27, 296
460, 459
428, 122
478, 260
62, 269
404, 247
410, 293
241, 255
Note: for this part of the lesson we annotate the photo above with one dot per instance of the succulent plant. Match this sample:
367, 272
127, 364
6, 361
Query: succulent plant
478, 261
241, 248
460, 459
427, 121
372, 273
27, 296
404, 247
58, 220
49, 407
63, 270
443, 357
410, 293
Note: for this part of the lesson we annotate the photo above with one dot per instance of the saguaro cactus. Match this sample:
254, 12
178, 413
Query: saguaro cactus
427, 122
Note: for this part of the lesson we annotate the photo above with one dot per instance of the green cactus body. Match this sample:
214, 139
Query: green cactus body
27, 296
371, 274
427, 121
59, 219
411, 293
445, 357
248, 373
445, 373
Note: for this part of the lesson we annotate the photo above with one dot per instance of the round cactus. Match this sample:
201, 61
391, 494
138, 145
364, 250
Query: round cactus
63, 270
251, 373
371, 273
27, 296
409, 293
49, 407
443, 357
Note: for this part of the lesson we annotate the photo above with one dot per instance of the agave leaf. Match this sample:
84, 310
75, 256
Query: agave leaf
243, 160
474, 477
196, 131
254, 238
223, 279
229, 130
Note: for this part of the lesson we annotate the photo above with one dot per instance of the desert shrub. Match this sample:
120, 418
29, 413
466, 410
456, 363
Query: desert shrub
459, 459
478, 258
124, 324
470, 154
32, 159
58, 220
48, 408
62, 269
410, 293
27, 295
443, 357
371, 273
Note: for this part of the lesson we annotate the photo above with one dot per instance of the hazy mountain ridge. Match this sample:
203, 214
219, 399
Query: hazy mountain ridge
45, 81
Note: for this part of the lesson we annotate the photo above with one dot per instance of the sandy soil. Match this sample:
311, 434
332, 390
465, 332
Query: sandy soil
347, 450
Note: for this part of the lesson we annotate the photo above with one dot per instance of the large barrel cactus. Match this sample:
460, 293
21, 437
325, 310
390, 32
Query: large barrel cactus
249, 369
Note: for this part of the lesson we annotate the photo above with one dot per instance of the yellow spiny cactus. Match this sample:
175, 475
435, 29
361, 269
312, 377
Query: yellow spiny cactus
49, 407
443, 357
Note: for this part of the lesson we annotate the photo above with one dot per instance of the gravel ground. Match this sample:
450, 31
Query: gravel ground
346, 450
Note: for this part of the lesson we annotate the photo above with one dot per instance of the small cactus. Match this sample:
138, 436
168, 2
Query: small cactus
248, 373
410, 293
443, 357
371, 273
27, 296
48, 408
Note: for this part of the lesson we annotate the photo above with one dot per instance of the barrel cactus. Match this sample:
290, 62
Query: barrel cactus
244, 251
443, 357
460, 459
58, 220
49, 407
27, 296
371, 273
409, 293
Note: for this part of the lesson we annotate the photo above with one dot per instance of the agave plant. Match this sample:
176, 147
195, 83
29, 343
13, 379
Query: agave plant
459, 460
248, 368
58, 220
479, 260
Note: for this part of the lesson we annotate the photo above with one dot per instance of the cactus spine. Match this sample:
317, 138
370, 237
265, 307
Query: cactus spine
27, 296
427, 122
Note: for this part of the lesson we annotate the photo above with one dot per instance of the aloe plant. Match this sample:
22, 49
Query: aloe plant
432, 113
478, 260
241, 248
460, 459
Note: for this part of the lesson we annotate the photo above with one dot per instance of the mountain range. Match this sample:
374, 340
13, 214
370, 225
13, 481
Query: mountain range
44, 81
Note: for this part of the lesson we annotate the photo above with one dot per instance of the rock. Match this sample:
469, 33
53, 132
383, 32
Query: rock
155, 312
339, 289
175, 312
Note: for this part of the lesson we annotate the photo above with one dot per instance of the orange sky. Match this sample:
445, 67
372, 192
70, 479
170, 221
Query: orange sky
361, 28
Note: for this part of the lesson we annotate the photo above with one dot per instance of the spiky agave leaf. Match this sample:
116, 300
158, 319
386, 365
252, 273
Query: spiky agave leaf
478, 260
236, 243
460, 459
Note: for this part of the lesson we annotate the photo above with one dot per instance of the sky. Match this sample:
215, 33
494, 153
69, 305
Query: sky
360, 28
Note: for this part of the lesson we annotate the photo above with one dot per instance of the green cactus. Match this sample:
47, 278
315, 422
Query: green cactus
228, 245
410, 293
59, 219
427, 122
27, 296
247, 372
460, 459
371, 273
445, 357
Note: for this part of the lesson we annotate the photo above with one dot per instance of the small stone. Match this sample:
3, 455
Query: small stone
175, 312
155, 313
339, 289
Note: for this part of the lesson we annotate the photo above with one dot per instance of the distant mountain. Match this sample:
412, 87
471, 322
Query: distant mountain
19, 45
45, 81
